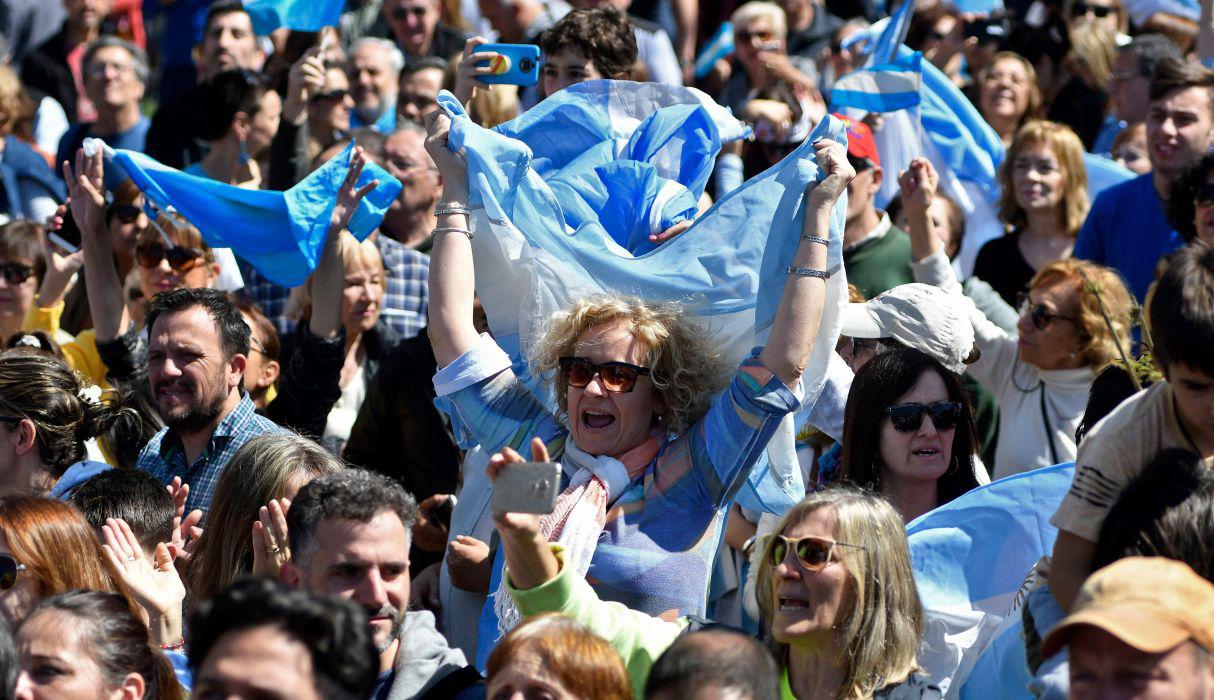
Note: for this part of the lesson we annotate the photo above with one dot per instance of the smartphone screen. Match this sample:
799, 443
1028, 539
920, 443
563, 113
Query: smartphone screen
67, 236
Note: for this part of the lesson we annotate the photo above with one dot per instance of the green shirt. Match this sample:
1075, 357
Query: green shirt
880, 265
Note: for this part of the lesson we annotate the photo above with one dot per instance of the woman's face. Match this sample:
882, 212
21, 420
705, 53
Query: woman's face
1005, 91
1203, 214
17, 601
943, 42
940, 213
330, 110
56, 664
264, 124
16, 297
163, 278
362, 295
1131, 153
527, 677
810, 605
921, 455
605, 422
753, 40
1037, 178
1056, 344
1087, 11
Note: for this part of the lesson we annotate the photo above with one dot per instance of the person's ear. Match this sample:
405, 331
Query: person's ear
236, 367
214, 268
290, 576
133, 687
877, 178
240, 126
27, 436
269, 373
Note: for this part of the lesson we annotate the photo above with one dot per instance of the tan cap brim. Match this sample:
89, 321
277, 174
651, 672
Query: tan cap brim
1145, 630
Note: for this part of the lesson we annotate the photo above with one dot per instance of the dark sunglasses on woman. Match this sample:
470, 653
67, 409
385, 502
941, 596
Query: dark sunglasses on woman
181, 259
330, 96
126, 213
9, 568
814, 553
617, 377
1080, 9
1040, 314
907, 417
16, 273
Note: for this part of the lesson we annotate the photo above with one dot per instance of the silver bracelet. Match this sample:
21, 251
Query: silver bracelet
451, 209
453, 229
808, 272
816, 239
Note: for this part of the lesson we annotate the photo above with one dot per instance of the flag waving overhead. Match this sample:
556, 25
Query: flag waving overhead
887, 87
298, 15
280, 233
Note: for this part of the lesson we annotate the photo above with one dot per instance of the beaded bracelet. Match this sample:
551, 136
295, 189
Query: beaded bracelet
176, 646
815, 239
808, 272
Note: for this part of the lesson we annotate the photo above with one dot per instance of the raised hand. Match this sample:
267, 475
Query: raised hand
429, 534
468, 73
521, 525
832, 158
155, 584
529, 558
918, 185
305, 80
86, 187
271, 548
450, 164
469, 564
185, 527
350, 193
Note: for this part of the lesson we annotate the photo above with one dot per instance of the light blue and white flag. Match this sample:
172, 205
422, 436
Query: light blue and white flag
282, 234
883, 88
971, 557
297, 15
892, 33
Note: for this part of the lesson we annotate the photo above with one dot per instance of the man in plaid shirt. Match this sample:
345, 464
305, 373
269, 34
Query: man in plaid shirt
197, 346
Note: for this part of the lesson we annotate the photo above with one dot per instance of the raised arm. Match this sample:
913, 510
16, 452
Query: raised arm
106, 304
800, 311
919, 185
452, 274
329, 279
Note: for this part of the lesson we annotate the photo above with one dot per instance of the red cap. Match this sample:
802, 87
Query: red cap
860, 141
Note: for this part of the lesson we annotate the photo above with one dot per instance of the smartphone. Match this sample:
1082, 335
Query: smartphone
442, 513
515, 64
527, 487
67, 236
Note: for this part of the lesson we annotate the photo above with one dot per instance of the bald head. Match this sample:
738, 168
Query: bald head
714, 664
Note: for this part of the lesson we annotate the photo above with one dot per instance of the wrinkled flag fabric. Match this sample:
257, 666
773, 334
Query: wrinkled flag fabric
297, 15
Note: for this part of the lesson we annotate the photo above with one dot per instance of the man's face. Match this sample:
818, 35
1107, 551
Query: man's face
367, 563
861, 190
1104, 667
229, 43
419, 94
1130, 89
110, 80
1194, 393
406, 158
568, 67
1180, 129
372, 83
262, 662
190, 377
86, 14
502, 16
412, 23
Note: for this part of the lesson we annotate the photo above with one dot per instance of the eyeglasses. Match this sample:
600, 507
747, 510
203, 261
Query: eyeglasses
331, 96
9, 568
399, 13
1080, 9
180, 259
126, 213
16, 273
617, 377
745, 36
1205, 195
1041, 315
908, 417
813, 553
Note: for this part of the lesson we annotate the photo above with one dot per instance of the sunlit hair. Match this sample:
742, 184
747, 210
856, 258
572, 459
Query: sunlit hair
16, 108
264, 468
1035, 100
1068, 149
179, 231
684, 369
353, 255
497, 106
583, 662
773, 13
882, 621
1099, 291
58, 547
1095, 48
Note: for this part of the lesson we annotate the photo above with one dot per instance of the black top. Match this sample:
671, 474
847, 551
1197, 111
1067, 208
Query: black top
173, 137
1001, 265
46, 69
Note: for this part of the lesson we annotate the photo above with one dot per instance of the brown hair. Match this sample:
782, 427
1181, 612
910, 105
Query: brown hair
1180, 310
57, 546
180, 231
263, 329
1178, 74
1068, 149
16, 108
603, 35
21, 239
1099, 293
586, 665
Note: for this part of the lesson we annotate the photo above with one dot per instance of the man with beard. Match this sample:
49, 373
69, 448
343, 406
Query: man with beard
374, 67
197, 348
410, 220
349, 535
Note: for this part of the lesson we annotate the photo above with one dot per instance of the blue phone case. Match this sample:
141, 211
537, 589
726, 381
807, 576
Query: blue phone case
519, 65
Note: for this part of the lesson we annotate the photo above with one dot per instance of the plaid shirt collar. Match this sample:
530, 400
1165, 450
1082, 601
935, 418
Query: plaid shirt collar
229, 427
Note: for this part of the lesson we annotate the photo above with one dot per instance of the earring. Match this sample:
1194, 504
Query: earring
953, 466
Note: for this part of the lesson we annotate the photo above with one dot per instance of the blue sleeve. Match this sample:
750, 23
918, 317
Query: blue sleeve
1090, 244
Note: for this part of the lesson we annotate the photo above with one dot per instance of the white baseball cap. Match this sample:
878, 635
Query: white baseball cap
918, 316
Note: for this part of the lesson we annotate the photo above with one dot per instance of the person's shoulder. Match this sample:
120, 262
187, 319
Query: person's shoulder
1125, 192
1134, 421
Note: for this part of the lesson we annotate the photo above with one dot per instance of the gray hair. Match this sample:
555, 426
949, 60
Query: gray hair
139, 58
1150, 49
354, 494
744, 15
396, 59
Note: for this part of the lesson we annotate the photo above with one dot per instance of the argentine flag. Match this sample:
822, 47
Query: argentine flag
888, 87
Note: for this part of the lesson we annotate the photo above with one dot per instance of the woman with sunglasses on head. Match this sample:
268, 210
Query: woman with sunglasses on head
1074, 319
655, 449
909, 432
834, 585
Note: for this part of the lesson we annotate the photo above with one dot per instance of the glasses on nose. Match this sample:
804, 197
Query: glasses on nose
813, 553
1040, 314
399, 13
1099, 11
331, 96
616, 377
9, 568
744, 36
126, 213
16, 273
908, 417
181, 259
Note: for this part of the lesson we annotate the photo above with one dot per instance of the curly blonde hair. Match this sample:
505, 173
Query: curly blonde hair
1100, 293
685, 371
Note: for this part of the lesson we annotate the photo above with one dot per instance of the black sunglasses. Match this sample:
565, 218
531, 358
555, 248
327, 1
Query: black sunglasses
331, 96
9, 568
1080, 9
617, 377
126, 213
399, 13
16, 273
181, 259
1040, 314
813, 553
908, 417
1205, 195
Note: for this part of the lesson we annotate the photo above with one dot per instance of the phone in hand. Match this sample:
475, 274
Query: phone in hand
527, 487
515, 64
67, 236
442, 512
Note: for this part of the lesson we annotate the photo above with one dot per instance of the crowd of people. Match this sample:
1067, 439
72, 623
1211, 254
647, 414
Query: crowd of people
216, 485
